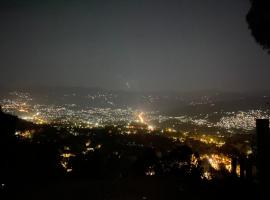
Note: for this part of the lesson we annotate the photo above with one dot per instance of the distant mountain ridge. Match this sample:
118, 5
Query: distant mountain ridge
173, 103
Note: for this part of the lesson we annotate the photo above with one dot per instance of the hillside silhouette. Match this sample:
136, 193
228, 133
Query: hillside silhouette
114, 170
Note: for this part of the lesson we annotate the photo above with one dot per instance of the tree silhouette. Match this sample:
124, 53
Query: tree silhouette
258, 19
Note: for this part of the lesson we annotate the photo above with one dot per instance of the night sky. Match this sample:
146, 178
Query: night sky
136, 45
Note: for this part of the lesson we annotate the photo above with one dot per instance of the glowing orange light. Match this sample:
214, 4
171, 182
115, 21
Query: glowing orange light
141, 117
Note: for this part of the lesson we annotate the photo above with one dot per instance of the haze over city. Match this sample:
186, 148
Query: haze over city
135, 45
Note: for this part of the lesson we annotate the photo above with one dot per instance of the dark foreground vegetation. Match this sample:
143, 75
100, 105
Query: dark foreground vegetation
47, 162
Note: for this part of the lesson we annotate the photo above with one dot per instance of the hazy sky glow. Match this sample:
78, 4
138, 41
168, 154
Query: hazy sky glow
136, 44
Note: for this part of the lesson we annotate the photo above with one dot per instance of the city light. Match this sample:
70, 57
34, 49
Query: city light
141, 117
27, 134
131, 121
65, 157
218, 160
